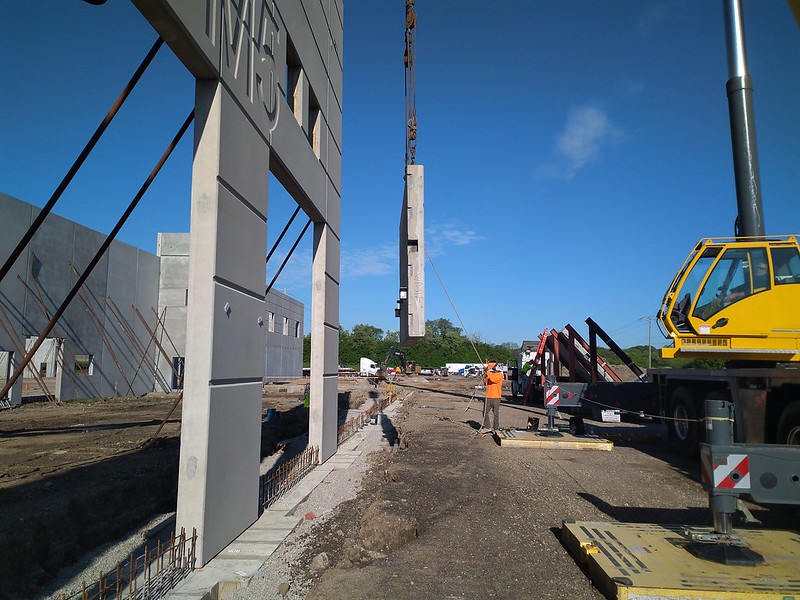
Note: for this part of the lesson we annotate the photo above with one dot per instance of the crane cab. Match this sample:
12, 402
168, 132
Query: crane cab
736, 299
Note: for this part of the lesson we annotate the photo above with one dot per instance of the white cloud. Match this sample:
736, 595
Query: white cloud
439, 236
587, 130
381, 260
652, 17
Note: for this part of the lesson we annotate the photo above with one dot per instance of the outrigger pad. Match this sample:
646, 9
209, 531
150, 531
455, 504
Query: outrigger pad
726, 554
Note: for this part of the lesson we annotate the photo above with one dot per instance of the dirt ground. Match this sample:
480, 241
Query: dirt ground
453, 514
448, 514
78, 474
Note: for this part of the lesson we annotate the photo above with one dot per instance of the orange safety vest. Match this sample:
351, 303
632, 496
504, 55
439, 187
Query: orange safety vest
494, 384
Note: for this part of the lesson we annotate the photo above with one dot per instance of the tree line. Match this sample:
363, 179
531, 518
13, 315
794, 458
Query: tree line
445, 343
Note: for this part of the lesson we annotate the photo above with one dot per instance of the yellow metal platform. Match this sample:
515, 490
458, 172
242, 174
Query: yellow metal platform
630, 561
526, 438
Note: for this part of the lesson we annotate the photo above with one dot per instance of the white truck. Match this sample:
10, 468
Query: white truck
367, 367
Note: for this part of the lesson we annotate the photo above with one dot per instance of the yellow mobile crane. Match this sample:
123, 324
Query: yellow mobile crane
735, 299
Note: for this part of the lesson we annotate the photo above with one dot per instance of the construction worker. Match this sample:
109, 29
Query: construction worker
493, 380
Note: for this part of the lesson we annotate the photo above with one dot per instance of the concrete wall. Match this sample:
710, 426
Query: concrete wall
284, 358
173, 301
125, 280
284, 350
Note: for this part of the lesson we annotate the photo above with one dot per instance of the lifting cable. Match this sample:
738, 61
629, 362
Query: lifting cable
410, 62
73, 170
98, 255
454, 306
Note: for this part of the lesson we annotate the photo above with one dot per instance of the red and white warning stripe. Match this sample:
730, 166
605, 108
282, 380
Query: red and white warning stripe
730, 471
552, 397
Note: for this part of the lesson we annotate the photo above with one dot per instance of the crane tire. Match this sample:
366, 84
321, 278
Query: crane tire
684, 425
789, 425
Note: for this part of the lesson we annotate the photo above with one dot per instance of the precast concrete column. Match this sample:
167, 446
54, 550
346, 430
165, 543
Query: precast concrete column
226, 335
322, 423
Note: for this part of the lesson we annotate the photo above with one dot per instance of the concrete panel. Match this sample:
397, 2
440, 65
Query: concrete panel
332, 259
172, 298
218, 480
412, 256
172, 244
333, 15
298, 30
333, 165
335, 101
333, 116
244, 233
329, 443
279, 57
244, 157
175, 272
125, 273
17, 217
237, 327
331, 364
331, 291
334, 205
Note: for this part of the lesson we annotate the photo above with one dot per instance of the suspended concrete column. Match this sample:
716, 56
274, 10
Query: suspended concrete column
411, 303
226, 335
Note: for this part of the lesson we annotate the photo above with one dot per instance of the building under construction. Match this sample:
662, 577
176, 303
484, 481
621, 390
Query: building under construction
125, 332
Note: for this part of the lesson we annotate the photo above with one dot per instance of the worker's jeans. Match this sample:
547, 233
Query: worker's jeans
492, 405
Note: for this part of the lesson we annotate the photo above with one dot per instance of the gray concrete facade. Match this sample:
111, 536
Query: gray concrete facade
268, 98
284, 318
91, 346
411, 303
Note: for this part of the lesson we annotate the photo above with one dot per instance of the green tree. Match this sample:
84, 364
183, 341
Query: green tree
441, 328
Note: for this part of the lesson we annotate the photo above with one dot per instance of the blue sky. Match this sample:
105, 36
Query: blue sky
574, 151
